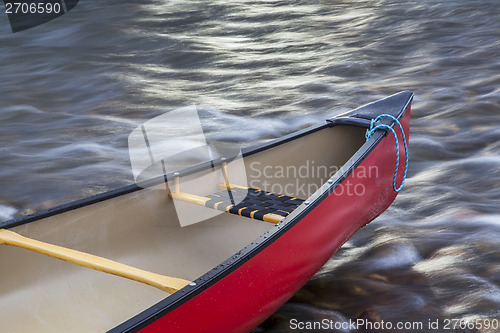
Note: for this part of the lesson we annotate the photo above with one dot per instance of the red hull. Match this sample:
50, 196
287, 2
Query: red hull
247, 296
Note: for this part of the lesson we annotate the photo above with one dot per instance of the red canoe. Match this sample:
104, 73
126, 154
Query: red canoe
265, 236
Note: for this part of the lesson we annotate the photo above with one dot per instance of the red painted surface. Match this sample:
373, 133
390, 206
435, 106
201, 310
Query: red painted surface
246, 297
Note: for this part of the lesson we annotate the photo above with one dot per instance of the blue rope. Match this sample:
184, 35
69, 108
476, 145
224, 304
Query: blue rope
372, 130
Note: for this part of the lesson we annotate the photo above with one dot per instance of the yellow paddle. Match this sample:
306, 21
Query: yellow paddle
165, 283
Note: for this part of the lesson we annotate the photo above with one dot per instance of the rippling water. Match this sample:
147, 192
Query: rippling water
73, 89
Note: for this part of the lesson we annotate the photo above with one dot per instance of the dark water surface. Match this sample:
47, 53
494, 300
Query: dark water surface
73, 89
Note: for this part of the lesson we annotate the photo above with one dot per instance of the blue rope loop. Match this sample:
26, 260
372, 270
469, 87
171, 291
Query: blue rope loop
374, 128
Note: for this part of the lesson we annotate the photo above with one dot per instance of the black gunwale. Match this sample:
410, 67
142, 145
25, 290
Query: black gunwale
59, 209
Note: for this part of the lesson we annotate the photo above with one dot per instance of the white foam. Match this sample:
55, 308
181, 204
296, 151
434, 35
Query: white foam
7, 212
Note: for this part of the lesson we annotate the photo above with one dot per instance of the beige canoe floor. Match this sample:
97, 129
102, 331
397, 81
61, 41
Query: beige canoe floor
41, 294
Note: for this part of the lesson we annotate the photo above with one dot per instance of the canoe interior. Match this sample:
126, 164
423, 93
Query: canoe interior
141, 229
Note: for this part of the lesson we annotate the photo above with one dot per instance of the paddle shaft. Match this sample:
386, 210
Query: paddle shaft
165, 283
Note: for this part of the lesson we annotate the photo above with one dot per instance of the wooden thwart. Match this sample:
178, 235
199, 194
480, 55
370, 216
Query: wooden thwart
254, 208
252, 203
191, 198
165, 283
201, 201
